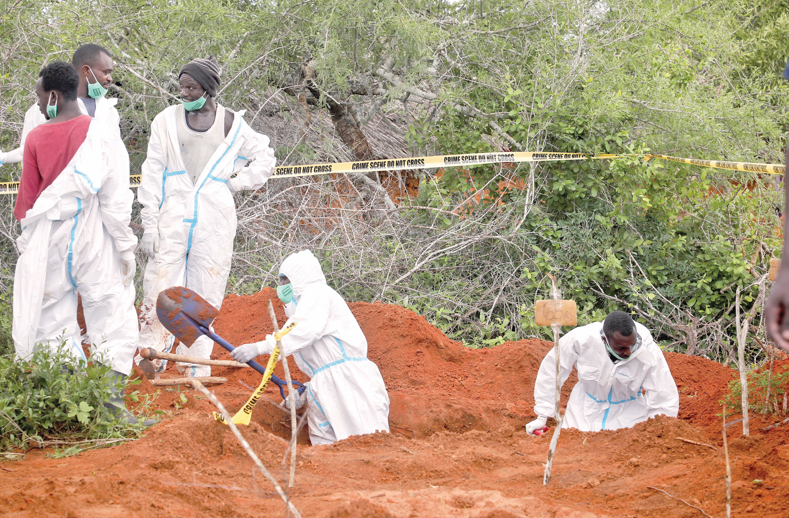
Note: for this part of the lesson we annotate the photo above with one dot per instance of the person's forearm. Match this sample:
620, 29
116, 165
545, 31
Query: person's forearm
14, 156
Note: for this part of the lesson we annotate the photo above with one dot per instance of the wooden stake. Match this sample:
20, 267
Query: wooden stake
557, 415
229, 420
728, 467
291, 400
742, 333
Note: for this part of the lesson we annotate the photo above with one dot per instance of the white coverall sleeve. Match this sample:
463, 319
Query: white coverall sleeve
311, 317
12, 157
116, 198
257, 150
660, 390
33, 118
149, 193
545, 385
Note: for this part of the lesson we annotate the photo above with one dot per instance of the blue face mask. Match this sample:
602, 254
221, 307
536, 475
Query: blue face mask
285, 292
52, 111
191, 106
95, 90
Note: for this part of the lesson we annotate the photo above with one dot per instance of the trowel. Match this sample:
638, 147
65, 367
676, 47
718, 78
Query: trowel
188, 316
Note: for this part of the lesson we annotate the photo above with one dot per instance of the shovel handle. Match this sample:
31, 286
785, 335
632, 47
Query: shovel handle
252, 363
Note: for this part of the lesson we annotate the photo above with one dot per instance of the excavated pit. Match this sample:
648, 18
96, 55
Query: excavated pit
456, 448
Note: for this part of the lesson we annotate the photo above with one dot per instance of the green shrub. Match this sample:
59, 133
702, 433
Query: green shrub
758, 383
52, 396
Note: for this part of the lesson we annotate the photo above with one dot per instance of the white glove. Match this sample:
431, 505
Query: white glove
247, 352
149, 244
128, 269
537, 424
301, 399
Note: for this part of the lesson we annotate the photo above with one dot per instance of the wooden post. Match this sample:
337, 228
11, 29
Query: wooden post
291, 400
555, 313
742, 334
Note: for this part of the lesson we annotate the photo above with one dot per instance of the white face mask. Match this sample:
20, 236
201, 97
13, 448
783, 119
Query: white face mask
610, 350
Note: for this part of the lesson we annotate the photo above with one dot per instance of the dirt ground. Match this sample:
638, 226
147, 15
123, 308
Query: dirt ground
457, 446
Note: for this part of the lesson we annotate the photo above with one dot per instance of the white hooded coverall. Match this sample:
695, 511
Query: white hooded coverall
346, 393
105, 112
72, 241
608, 395
195, 221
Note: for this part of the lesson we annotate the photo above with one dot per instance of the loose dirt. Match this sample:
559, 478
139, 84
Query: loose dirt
457, 445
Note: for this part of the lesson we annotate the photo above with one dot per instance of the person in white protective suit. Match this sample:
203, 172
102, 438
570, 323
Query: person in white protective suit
188, 211
94, 66
346, 394
623, 378
75, 205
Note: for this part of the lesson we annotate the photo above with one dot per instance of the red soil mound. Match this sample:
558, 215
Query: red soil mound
457, 446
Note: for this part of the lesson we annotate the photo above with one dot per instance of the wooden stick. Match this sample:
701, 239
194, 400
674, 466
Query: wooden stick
151, 354
546, 478
742, 333
776, 425
291, 400
229, 420
728, 466
696, 443
681, 500
187, 381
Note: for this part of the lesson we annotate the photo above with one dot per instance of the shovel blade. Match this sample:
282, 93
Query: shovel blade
181, 311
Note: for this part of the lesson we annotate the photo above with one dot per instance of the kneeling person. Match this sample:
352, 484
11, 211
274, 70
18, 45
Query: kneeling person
346, 394
623, 378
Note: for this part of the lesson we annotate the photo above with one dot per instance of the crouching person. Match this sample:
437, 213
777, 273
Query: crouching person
74, 204
346, 394
623, 378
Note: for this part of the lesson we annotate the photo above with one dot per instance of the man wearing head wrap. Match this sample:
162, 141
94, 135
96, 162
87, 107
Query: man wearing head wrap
188, 212
623, 378
94, 66
346, 394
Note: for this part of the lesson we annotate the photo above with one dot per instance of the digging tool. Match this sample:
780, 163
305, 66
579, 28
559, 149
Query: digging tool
244, 415
148, 369
149, 354
170, 382
187, 316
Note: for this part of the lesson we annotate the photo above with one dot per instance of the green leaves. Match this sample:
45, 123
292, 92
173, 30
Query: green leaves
53, 396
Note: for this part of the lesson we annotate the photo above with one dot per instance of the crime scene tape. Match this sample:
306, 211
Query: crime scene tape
431, 162
440, 161
731, 166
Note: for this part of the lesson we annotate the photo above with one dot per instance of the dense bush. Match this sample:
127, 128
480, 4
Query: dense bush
54, 397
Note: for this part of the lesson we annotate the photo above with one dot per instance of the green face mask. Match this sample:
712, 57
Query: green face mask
95, 90
191, 106
52, 111
285, 293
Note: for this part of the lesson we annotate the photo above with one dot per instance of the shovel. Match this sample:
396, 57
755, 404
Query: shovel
188, 316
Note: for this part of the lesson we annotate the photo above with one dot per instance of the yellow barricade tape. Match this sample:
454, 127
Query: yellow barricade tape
440, 161
731, 166
244, 416
430, 162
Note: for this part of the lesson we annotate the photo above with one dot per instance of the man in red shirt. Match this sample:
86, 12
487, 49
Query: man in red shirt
74, 205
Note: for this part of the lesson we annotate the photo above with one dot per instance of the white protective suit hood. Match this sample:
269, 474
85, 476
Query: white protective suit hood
346, 394
302, 269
